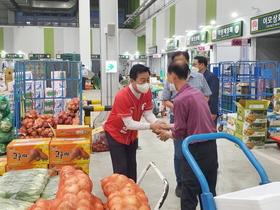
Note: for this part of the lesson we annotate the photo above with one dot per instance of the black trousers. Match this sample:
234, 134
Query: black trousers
205, 154
123, 157
84, 83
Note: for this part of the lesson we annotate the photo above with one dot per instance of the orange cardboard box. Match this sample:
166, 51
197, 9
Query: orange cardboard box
56, 168
70, 150
28, 151
3, 163
73, 132
28, 166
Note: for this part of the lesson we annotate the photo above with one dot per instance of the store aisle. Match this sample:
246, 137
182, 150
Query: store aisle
235, 171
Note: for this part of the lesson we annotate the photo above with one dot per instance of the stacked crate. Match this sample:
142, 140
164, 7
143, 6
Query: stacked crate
251, 124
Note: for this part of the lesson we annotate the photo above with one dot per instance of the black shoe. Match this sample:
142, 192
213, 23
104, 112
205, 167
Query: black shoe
178, 189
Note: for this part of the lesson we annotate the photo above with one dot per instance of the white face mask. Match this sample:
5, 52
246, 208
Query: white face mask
143, 88
172, 86
195, 69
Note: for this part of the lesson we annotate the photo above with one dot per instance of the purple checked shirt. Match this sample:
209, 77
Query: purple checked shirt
191, 113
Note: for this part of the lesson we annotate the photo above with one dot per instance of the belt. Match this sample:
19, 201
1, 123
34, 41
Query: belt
200, 143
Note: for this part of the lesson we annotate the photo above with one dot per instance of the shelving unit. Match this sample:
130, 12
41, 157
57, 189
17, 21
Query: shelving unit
247, 80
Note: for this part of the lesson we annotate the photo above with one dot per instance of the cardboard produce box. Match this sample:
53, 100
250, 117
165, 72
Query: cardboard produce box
70, 150
24, 167
251, 129
256, 142
273, 131
252, 111
3, 163
231, 121
71, 145
276, 94
28, 151
273, 120
9, 74
276, 107
57, 167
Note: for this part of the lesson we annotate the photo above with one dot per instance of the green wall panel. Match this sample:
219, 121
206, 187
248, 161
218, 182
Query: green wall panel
211, 11
49, 41
1, 38
172, 21
141, 45
154, 31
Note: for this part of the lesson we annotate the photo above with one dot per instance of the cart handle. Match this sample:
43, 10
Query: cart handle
206, 196
162, 178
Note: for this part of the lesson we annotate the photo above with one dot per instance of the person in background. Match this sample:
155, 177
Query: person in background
84, 76
192, 116
197, 81
123, 123
200, 63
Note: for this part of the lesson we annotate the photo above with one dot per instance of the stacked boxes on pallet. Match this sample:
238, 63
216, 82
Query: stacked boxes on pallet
251, 124
273, 119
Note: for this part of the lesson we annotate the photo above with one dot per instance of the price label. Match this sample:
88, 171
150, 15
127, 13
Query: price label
239, 42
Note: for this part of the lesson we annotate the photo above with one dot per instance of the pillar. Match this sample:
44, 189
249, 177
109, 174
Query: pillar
108, 15
84, 32
253, 49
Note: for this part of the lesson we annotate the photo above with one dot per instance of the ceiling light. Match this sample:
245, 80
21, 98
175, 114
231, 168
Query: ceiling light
234, 15
213, 22
174, 36
201, 26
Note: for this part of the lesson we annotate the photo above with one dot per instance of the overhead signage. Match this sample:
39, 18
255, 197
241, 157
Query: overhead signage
266, 22
197, 39
203, 48
172, 45
39, 56
239, 42
95, 57
124, 57
140, 57
13, 56
111, 66
58, 56
227, 31
157, 55
152, 50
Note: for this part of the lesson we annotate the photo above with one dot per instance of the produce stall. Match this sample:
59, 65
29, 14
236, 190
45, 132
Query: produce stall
49, 88
52, 173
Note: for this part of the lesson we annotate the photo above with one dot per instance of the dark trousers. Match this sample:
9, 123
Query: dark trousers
84, 83
205, 154
178, 154
123, 157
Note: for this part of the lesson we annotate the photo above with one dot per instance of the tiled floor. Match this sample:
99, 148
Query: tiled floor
235, 171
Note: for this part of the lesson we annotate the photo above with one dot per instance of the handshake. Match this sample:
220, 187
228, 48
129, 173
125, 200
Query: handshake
161, 129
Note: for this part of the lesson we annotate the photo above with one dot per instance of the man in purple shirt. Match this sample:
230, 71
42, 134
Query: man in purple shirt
192, 116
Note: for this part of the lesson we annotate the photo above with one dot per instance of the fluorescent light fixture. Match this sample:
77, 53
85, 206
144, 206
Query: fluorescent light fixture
126, 53
234, 15
201, 26
137, 53
213, 22
174, 36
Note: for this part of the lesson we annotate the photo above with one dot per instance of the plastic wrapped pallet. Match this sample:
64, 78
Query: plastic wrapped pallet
25, 185
51, 188
11, 204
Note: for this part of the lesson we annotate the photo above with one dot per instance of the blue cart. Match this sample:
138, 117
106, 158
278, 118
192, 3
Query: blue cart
206, 196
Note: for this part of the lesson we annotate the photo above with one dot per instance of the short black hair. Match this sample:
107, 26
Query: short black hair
180, 68
201, 59
136, 69
184, 53
83, 65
